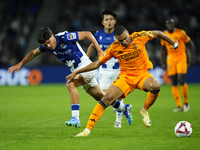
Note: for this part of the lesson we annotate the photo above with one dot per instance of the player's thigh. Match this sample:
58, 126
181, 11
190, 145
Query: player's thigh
171, 68
95, 92
82, 78
113, 93
182, 67
122, 83
77, 81
142, 81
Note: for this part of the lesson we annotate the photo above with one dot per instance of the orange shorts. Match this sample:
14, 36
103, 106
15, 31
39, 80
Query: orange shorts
177, 66
127, 83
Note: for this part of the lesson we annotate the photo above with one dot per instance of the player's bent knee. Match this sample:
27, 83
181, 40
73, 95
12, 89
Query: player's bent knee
154, 87
70, 86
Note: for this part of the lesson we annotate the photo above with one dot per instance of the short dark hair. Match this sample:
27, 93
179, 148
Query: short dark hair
108, 12
119, 30
44, 34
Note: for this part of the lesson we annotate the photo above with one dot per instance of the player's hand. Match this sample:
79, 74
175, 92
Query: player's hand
14, 68
71, 76
175, 46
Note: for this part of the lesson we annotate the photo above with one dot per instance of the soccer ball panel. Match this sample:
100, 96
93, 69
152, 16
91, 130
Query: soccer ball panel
183, 129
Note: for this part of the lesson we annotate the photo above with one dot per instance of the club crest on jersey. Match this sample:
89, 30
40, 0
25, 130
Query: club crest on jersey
135, 46
63, 45
149, 34
71, 36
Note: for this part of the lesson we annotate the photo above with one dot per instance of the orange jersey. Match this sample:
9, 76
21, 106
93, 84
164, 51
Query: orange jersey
133, 60
182, 38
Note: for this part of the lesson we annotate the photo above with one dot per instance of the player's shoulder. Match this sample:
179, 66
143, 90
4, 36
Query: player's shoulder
165, 31
139, 34
179, 30
115, 43
61, 33
60, 36
67, 36
99, 32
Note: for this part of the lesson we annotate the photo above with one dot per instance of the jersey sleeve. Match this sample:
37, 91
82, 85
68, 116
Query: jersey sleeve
143, 36
149, 34
106, 55
71, 36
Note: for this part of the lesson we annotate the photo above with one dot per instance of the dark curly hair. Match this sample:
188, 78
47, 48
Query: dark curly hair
44, 34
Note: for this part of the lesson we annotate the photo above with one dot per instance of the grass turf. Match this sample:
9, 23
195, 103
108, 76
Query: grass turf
32, 117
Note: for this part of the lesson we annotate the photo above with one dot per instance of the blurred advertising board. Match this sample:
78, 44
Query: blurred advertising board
57, 74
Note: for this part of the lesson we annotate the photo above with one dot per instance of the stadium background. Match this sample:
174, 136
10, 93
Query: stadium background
20, 20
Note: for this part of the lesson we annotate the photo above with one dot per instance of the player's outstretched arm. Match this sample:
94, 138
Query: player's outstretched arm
163, 36
15, 68
26, 59
92, 66
86, 34
90, 49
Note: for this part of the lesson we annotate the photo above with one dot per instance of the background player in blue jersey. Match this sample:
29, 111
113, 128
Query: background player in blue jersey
66, 48
110, 70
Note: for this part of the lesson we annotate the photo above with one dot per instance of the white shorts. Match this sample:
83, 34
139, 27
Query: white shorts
89, 77
106, 78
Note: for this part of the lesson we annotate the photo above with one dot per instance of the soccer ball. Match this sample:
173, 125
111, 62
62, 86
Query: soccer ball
183, 129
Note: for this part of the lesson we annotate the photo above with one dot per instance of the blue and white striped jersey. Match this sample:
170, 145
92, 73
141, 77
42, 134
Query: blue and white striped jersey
104, 39
68, 50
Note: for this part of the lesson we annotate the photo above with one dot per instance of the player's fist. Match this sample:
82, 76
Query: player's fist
175, 46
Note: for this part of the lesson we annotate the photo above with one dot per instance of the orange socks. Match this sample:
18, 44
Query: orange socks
176, 95
184, 90
95, 116
151, 98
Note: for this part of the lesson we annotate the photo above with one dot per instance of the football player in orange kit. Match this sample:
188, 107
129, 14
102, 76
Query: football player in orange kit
134, 63
177, 62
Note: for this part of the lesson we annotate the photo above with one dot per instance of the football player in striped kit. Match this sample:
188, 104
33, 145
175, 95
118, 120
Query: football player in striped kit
65, 47
110, 70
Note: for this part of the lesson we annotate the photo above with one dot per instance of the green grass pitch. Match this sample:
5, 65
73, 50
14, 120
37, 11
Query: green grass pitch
32, 118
